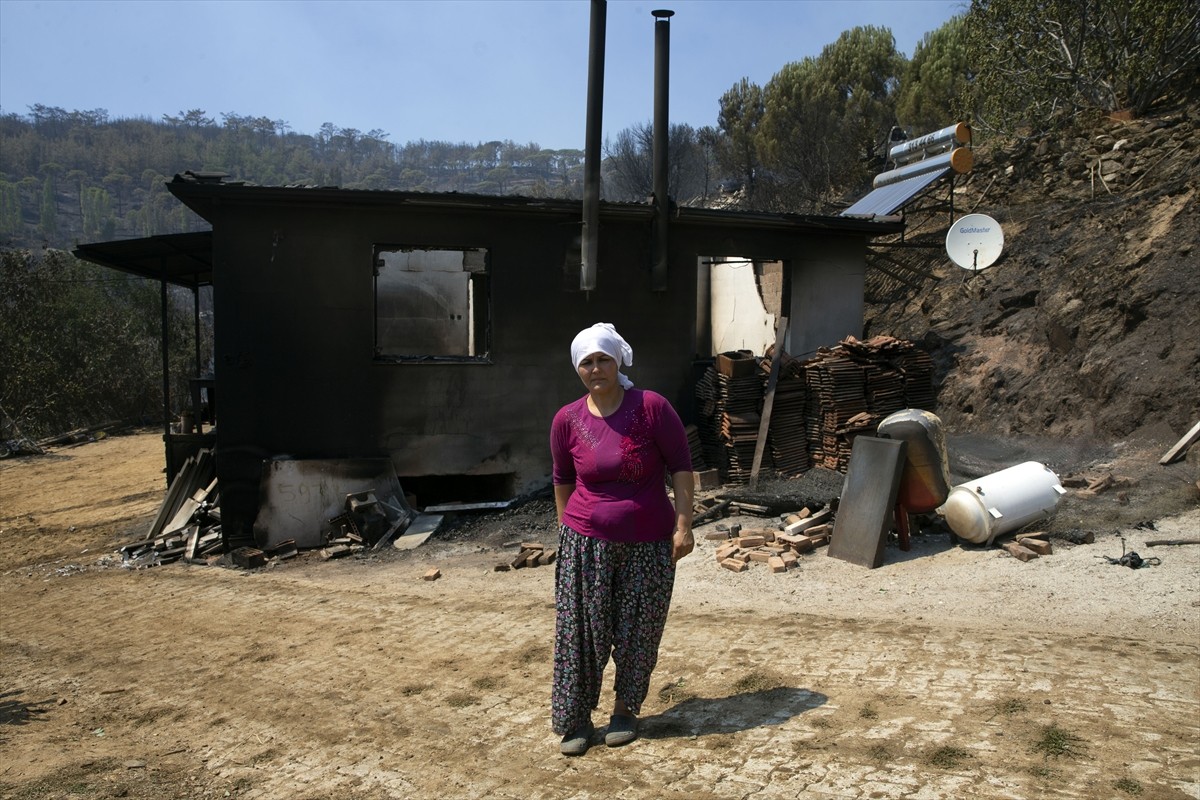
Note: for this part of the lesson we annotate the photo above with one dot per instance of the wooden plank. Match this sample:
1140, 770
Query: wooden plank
765, 422
171, 501
1182, 445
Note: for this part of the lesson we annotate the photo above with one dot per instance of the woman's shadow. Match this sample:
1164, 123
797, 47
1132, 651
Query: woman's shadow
702, 716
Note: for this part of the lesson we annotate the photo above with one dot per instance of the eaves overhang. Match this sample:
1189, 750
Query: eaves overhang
183, 259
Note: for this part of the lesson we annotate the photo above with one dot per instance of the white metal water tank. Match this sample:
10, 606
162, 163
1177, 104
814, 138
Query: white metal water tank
982, 509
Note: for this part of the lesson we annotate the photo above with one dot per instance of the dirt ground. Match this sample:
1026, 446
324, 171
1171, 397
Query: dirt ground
949, 672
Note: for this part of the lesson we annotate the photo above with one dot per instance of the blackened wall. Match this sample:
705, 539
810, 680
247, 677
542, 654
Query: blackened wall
294, 336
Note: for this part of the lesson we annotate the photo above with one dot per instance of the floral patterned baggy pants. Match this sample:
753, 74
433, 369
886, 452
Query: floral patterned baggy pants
610, 598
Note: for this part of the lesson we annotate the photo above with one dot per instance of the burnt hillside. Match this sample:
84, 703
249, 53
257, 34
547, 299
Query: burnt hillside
1089, 324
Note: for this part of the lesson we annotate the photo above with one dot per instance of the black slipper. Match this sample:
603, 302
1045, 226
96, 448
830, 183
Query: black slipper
622, 729
577, 742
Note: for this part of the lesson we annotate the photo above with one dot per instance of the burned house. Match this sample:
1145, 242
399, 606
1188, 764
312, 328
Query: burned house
432, 330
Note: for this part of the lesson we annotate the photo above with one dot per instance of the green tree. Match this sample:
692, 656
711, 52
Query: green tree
826, 119
118, 183
97, 213
79, 181
934, 91
48, 220
741, 112
192, 118
80, 345
10, 209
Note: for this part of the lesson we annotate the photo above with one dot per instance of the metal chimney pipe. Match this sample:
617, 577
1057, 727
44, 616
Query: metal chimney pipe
662, 202
591, 148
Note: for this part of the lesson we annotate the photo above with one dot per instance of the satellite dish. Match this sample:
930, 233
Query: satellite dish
974, 242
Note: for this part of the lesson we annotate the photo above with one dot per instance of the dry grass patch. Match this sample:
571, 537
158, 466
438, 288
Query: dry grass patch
1056, 742
1128, 786
757, 681
675, 692
947, 757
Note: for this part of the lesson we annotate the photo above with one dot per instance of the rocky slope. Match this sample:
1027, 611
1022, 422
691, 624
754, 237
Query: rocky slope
1089, 324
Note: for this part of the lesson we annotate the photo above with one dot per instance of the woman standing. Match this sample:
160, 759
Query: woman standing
619, 537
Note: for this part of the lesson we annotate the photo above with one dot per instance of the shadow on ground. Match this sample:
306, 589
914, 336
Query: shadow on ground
14, 711
702, 716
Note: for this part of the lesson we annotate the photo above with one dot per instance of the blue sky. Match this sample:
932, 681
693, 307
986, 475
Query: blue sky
455, 70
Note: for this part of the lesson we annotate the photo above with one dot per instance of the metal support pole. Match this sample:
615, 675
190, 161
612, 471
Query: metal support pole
591, 154
166, 369
662, 200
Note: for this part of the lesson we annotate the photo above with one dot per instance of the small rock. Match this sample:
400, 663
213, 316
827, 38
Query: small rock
135, 765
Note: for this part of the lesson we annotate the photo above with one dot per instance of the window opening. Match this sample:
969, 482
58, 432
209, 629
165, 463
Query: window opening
431, 304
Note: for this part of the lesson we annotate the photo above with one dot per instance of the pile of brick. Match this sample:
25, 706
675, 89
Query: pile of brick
786, 442
853, 386
530, 554
729, 399
777, 548
819, 405
1028, 546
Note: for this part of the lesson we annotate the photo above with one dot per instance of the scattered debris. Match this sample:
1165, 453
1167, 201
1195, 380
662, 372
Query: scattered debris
1092, 487
188, 524
530, 554
1179, 448
83, 435
419, 529
1161, 542
1075, 536
486, 506
778, 549
248, 557
20, 447
1131, 559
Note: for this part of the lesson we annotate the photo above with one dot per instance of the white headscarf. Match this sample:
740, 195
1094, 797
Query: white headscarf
603, 338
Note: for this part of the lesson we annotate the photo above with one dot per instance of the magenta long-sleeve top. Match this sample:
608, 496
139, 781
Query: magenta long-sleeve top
619, 465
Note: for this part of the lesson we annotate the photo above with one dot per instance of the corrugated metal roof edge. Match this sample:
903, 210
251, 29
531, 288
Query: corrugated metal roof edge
200, 196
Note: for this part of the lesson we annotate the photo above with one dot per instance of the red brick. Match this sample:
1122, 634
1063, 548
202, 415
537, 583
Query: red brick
726, 551
1018, 551
1039, 546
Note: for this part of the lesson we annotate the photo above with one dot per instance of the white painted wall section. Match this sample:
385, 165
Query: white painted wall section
740, 321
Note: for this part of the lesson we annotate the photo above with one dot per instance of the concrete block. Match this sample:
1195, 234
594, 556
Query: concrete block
707, 479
